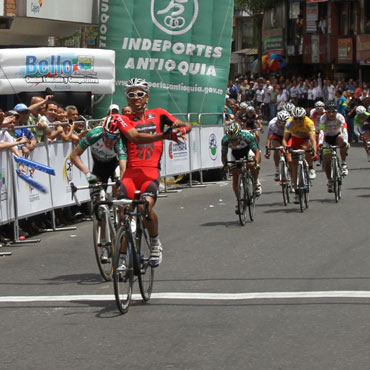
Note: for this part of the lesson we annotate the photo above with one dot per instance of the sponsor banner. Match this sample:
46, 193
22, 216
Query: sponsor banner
273, 40
363, 49
29, 199
61, 69
66, 10
176, 158
345, 50
181, 47
65, 173
210, 139
6, 189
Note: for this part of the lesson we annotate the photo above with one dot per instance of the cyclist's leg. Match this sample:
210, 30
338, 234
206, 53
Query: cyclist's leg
149, 190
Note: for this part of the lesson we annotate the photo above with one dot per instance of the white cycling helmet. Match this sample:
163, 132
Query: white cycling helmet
250, 109
360, 109
283, 115
319, 104
289, 107
299, 112
138, 83
243, 105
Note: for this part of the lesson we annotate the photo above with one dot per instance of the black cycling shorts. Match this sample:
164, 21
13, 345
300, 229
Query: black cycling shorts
105, 170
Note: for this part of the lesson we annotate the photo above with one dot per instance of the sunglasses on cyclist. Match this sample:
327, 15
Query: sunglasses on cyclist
299, 118
138, 94
110, 136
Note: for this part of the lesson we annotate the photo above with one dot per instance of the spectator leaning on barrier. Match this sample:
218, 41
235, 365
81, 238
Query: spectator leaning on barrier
50, 118
24, 113
126, 109
67, 125
21, 132
73, 115
36, 107
6, 140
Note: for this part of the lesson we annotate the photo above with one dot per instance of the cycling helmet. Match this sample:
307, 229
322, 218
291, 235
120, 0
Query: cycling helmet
250, 109
233, 130
138, 83
319, 104
360, 109
289, 107
283, 115
243, 105
112, 123
331, 107
299, 112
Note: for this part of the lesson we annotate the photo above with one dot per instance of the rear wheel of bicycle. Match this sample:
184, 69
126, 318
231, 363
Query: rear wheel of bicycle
103, 248
242, 199
251, 197
123, 279
146, 274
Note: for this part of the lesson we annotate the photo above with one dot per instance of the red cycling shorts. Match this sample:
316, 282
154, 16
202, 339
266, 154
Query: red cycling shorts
145, 179
297, 142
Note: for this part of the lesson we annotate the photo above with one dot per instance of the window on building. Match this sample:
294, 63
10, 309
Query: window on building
367, 17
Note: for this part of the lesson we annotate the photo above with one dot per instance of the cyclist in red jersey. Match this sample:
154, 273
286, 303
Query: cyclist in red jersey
143, 165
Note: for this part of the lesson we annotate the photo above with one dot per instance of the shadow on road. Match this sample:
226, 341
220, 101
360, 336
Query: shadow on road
81, 279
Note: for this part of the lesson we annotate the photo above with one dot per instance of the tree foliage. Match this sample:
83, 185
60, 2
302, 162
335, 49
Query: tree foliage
255, 6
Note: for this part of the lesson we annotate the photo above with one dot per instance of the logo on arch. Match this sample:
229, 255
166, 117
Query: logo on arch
175, 17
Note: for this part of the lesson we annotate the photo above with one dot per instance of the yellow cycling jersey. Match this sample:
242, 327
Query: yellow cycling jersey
299, 128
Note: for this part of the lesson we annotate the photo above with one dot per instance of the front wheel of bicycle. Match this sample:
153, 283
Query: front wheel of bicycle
306, 187
242, 199
146, 274
336, 182
123, 278
103, 248
251, 196
300, 186
284, 183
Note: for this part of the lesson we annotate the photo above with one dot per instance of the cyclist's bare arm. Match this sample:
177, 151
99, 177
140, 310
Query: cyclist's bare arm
77, 161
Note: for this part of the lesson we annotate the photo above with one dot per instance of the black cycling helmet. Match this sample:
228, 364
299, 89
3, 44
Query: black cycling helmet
331, 107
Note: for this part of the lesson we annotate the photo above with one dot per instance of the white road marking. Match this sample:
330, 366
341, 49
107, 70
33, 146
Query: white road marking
195, 296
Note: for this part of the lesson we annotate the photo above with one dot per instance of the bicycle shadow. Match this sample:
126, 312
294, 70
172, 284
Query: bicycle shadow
80, 279
228, 224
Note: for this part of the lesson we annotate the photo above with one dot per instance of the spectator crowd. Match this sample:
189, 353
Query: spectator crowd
269, 96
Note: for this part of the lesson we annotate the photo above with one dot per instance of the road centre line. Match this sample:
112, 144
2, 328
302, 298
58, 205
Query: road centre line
195, 296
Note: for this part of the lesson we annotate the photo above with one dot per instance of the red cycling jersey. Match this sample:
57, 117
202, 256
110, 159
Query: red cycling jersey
146, 155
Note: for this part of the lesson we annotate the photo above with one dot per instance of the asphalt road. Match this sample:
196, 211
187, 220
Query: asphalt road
288, 291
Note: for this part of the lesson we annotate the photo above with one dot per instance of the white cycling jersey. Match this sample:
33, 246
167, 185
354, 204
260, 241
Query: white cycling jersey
316, 117
274, 128
333, 127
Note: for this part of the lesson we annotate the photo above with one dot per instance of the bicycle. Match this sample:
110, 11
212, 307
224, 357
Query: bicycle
303, 178
336, 174
133, 235
104, 226
246, 190
284, 175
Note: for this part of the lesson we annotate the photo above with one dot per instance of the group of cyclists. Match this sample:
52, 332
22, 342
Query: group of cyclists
292, 128
133, 143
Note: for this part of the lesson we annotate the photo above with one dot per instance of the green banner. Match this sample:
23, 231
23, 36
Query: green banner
182, 47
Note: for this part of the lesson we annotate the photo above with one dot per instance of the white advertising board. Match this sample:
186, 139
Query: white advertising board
176, 159
61, 69
6, 189
80, 11
65, 173
210, 141
30, 200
